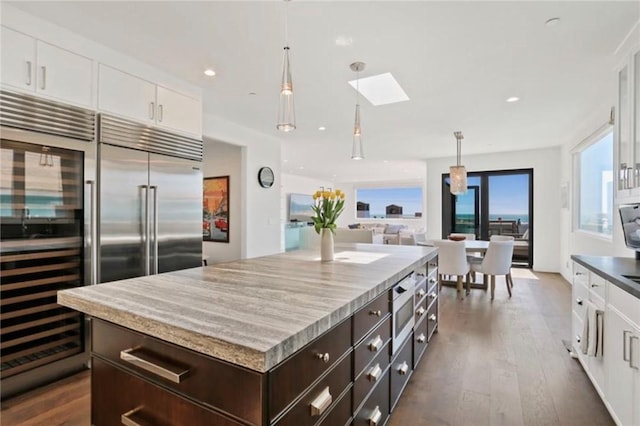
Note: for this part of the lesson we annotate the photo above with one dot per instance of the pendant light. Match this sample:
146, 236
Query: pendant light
286, 110
458, 173
357, 152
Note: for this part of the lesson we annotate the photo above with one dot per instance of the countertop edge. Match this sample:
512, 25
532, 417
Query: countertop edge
617, 280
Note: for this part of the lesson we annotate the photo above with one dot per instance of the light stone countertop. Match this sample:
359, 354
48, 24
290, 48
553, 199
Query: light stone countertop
256, 312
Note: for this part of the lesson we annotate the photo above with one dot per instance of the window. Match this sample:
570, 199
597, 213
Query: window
388, 203
595, 193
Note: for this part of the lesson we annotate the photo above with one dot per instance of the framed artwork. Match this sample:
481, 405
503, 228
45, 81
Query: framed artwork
215, 209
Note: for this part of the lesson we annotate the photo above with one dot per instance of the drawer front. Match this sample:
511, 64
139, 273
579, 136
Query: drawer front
341, 413
624, 302
370, 377
375, 411
243, 400
576, 335
432, 265
288, 380
373, 344
321, 399
400, 371
420, 339
432, 319
580, 274
597, 284
432, 282
115, 392
580, 295
366, 318
421, 289
421, 310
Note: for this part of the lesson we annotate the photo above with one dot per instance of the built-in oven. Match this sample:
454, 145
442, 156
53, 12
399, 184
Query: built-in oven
402, 306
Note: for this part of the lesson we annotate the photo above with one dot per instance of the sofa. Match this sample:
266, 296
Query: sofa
309, 238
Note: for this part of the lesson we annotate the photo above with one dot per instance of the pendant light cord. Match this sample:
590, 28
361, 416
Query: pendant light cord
286, 23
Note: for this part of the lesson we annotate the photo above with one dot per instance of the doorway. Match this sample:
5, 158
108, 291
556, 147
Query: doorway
497, 202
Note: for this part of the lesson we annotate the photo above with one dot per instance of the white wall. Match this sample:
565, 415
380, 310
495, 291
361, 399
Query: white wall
546, 196
349, 216
221, 159
260, 207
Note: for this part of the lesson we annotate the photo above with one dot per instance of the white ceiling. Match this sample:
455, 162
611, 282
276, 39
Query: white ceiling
457, 61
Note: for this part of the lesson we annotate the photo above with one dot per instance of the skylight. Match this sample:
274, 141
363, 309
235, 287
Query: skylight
381, 89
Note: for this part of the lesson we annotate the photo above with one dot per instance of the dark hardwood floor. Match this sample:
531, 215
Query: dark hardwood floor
500, 363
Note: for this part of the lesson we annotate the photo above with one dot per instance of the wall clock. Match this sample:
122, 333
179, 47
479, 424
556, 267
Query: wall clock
266, 177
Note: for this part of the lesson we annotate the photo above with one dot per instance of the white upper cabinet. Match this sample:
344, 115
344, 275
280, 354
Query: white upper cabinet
627, 129
133, 97
35, 66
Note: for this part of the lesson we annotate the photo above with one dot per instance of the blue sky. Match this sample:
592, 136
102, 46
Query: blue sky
508, 194
378, 198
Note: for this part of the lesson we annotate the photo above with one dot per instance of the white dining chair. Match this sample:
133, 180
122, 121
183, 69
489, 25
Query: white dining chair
497, 261
504, 238
452, 260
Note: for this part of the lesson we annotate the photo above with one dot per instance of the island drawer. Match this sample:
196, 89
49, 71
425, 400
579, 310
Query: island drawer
289, 379
375, 410
370, 377
117, 397
420, 339
370, 315
181, 370
432, 266
373, 344
321, 399
400, 371
421, 310
421, 288
432, 320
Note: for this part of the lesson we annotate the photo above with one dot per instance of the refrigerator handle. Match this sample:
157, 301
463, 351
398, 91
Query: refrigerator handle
145, 230
93, 279
155, 228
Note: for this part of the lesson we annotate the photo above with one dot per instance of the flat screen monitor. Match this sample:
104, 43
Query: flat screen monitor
300, 208
630, 216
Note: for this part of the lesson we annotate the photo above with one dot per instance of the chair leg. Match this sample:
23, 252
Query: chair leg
493, 286
510, 280
459, 286
468, 283
506, 280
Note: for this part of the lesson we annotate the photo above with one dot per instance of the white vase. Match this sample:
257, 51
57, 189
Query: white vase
326, 245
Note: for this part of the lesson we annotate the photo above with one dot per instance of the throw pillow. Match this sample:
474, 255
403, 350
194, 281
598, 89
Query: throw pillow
393, 229
354, 226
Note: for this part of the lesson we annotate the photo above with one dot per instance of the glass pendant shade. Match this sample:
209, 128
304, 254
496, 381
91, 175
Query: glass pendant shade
286, 110
458, 177
357, 152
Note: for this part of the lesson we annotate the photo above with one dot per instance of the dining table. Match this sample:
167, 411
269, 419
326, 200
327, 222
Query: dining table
470, 246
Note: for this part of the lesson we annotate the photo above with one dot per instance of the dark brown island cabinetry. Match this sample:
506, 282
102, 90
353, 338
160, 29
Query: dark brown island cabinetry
347, 375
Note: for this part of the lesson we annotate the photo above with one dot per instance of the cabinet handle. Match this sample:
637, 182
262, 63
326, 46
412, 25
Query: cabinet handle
432, 280
625, 357
420, 312
152, 110
377, 313
126, 418
403, 369
433, 295
421, 338
321, 403
323, 357
28, 73
579, 301
432, 317
628, 177
375, 372
631, 357
622, 181
160, 112
578, 339
595, 285
421, 292
174, 375
433, 265
375, 344
43, 82
375, 417
579, 273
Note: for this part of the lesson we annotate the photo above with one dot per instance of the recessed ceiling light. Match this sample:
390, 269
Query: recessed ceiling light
513, 99
380, 89
284, 161
344, 41
301, 167
322, 128
385, 161
209, 72
552, 22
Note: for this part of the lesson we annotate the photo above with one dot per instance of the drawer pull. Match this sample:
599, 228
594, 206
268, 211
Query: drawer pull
595, 285
404, 368
433, 265
632, 364
374, 374
578, 339
421, 338
432, 280
375, 417
127, 420
579, 301
323, 357
626, 357
377, 313
174, 374
420, 312
321, 403
433, 295
432, 317
579, 273
375, 344
421, 292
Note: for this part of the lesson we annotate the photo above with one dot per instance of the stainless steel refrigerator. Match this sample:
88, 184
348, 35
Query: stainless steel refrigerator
150, 203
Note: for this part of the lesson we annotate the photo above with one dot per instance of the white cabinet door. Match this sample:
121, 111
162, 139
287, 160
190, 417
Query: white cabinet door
126, 95
64, 75
18, 59
179, 112
620, 377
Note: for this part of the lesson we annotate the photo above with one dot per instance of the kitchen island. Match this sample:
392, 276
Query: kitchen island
282, 339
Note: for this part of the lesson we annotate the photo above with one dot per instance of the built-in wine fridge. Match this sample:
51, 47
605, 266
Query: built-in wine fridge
47, 205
